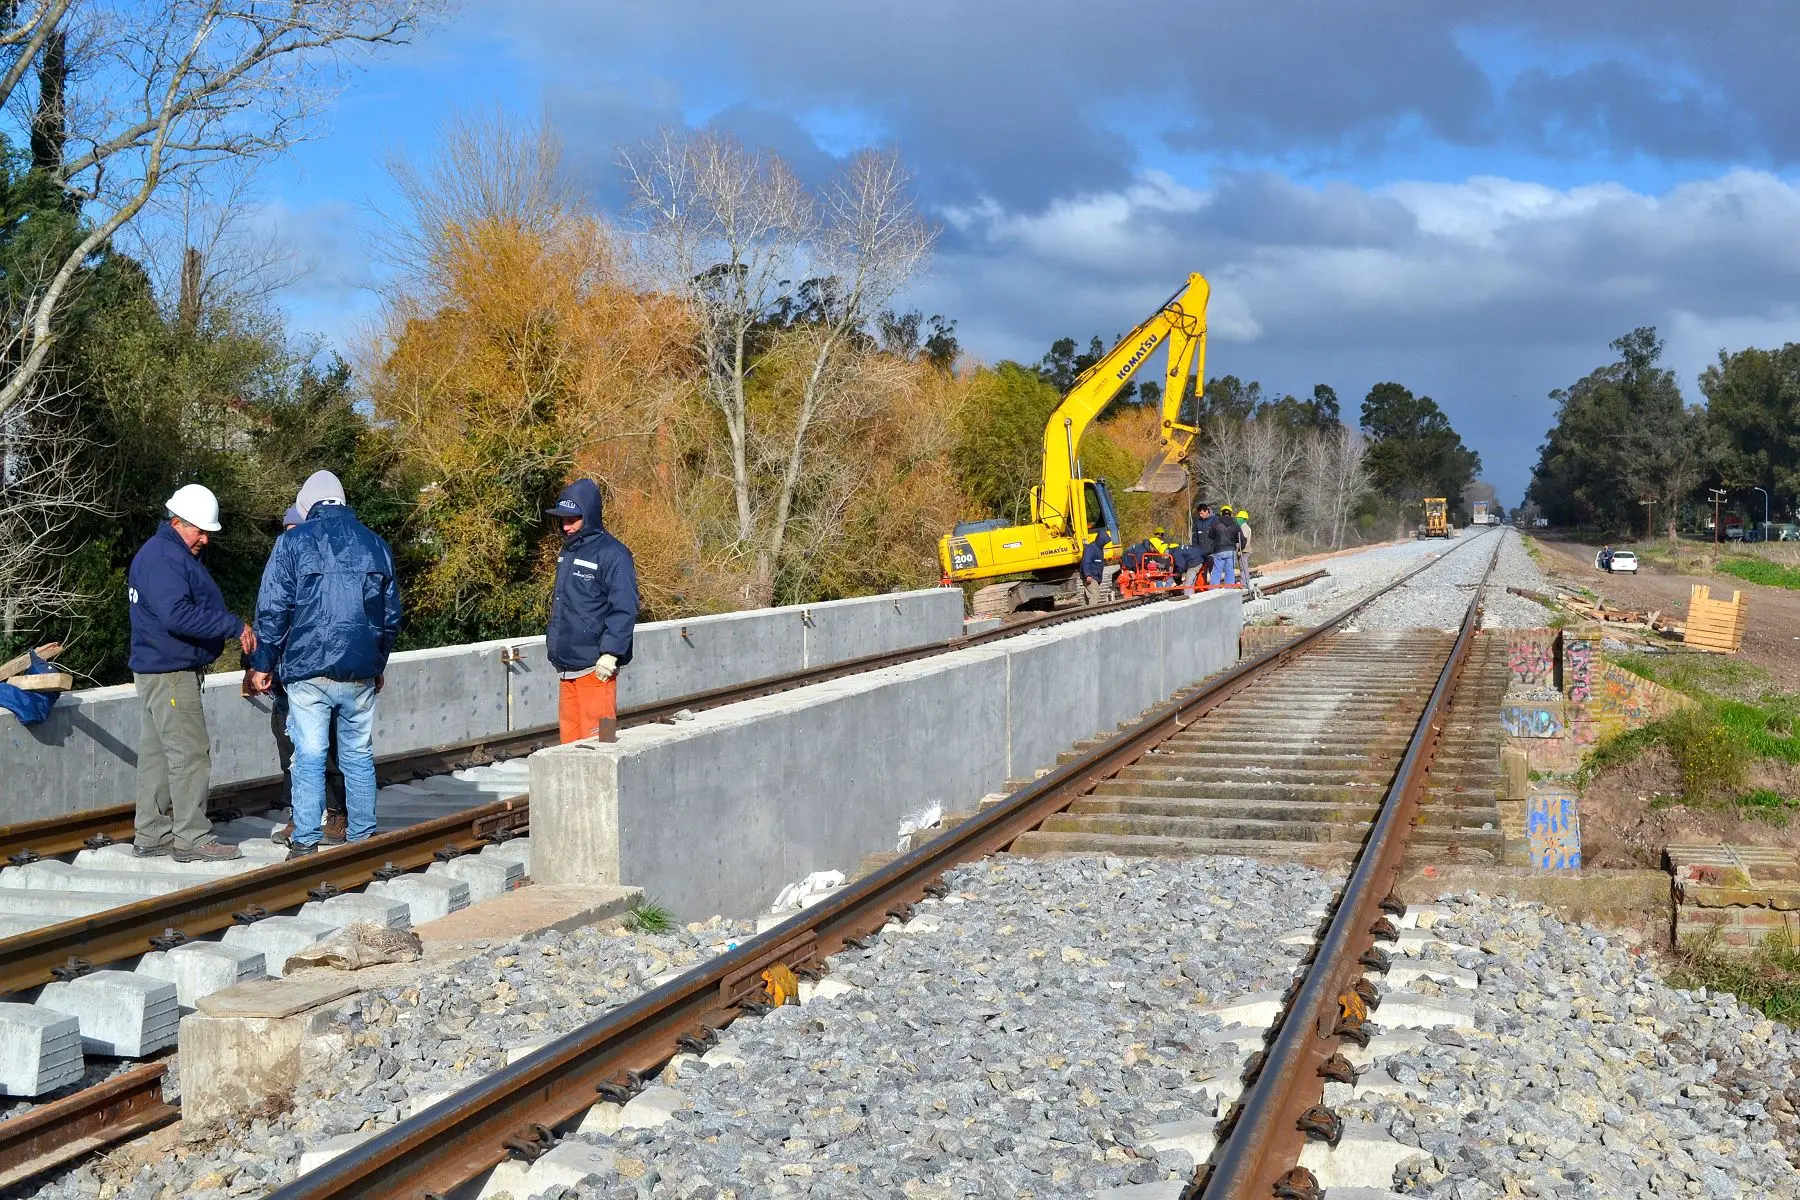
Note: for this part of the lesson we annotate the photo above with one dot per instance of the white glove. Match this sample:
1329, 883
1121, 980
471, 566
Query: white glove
607, 667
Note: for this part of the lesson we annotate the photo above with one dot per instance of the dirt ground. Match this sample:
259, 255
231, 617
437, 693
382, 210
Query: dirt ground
1624, 825
1772, 640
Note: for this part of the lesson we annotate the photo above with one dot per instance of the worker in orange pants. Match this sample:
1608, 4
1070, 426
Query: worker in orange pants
593, 611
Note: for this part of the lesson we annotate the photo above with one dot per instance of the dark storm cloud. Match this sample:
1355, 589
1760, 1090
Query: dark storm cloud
1020, 101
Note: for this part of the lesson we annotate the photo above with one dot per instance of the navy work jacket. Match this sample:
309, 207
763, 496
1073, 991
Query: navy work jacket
179, 621
595, 605
329, 606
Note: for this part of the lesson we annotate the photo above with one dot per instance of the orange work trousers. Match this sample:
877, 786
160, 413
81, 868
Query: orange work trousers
583, 702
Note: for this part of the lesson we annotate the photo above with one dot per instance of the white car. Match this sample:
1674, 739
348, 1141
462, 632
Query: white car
1622, 561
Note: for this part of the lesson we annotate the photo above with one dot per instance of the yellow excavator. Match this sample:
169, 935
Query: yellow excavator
1068, 511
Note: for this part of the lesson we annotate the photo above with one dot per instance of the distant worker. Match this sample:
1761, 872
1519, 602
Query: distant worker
1606, 557
1093, 569
332, 832
593, 612
327, 617
1197, 562
179, 624
1243, 554
1224, 546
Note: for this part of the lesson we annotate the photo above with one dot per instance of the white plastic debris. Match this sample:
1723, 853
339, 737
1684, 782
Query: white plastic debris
925, 818
808, 891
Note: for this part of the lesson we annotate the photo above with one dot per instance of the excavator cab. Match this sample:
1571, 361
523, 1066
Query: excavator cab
1100, 516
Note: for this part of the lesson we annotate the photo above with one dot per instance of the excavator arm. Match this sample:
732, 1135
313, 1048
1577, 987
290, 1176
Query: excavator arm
1180, 322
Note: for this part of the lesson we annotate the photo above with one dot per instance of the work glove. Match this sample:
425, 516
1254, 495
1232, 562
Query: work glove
607, 667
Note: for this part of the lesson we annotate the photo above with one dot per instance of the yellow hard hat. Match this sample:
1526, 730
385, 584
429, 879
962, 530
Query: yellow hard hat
1160, 531
1244, 513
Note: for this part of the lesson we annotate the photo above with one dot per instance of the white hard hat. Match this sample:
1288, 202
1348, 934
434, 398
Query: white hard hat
196, 505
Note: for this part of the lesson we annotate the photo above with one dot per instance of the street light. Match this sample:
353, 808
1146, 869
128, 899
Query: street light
1718, 496
1754, 488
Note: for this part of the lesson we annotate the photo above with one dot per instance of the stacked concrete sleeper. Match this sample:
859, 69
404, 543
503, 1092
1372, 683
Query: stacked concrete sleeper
135, 1013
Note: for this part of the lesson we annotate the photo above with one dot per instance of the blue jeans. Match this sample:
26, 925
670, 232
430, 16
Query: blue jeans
311, 705
1224, 569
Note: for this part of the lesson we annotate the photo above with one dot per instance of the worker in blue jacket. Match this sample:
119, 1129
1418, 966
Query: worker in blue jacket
593, 612
326, 617
179, 624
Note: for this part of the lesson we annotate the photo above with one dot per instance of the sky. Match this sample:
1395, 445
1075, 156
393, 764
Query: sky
1470, 200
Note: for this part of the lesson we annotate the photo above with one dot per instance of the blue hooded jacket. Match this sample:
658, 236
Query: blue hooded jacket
329, 604
595, 605
179, 621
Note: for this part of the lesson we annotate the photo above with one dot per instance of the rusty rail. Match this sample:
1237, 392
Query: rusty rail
512, 1111
1283, 1106
50, 1135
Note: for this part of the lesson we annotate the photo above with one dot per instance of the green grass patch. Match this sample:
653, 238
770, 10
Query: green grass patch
650, 917
1767, 980
1702, 676
1760, 570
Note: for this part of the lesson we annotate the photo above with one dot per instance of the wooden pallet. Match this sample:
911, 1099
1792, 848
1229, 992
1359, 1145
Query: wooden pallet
1716, 624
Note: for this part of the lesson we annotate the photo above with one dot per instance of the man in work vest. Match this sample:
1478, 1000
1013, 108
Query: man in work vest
179, 624
593, 610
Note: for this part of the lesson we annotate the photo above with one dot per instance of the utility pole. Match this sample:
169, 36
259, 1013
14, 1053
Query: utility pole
1718, 497
1649, 530
1765, 533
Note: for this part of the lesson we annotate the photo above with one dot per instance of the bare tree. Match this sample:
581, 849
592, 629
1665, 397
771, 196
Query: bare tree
1252, 463
1337, 475
41, 492
729, 229
178, 87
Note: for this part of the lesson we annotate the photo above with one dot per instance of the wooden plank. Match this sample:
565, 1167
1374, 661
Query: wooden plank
18, 666
50, 681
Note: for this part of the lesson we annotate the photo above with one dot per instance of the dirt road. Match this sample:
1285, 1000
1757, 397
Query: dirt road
1772, 640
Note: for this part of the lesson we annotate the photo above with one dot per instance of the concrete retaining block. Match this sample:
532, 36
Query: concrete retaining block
718, 813
85, 755
426, 896
198, 969
357, 908
277, 938
486, 877
40, 1050
121, 1014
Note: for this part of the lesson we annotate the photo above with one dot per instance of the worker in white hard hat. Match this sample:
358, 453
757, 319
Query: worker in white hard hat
179, 624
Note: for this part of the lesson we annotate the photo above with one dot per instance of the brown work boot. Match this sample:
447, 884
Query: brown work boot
335, 830
210, 852
159, 850
282, 833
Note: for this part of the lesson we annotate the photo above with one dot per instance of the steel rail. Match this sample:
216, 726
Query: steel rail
514, 1110
1267, 1133
76, 946
48, 1136
27, 841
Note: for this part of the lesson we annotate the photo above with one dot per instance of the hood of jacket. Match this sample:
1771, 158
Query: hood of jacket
583, 497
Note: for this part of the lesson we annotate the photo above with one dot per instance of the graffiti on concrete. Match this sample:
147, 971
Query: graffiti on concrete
1531, 720
1528, 660
1553, 828
1580, 669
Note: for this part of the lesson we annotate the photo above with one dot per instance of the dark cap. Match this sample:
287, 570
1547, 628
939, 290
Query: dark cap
564, 508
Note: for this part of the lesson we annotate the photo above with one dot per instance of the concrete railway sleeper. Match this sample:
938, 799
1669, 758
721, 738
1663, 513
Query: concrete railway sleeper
512, 1114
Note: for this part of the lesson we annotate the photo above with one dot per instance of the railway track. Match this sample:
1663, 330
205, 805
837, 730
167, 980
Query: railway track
1371, 786
63, 1129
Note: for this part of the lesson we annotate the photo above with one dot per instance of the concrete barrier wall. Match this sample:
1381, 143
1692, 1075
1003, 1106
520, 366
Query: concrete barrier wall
716, 814
85, 755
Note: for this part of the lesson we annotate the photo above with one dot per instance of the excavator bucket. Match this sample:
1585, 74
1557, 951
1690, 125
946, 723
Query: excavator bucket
1165, 472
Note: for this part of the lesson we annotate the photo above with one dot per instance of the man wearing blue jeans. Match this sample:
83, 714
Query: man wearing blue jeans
326, 618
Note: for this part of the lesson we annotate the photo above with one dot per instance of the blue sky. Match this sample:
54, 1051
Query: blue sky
1473, 207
